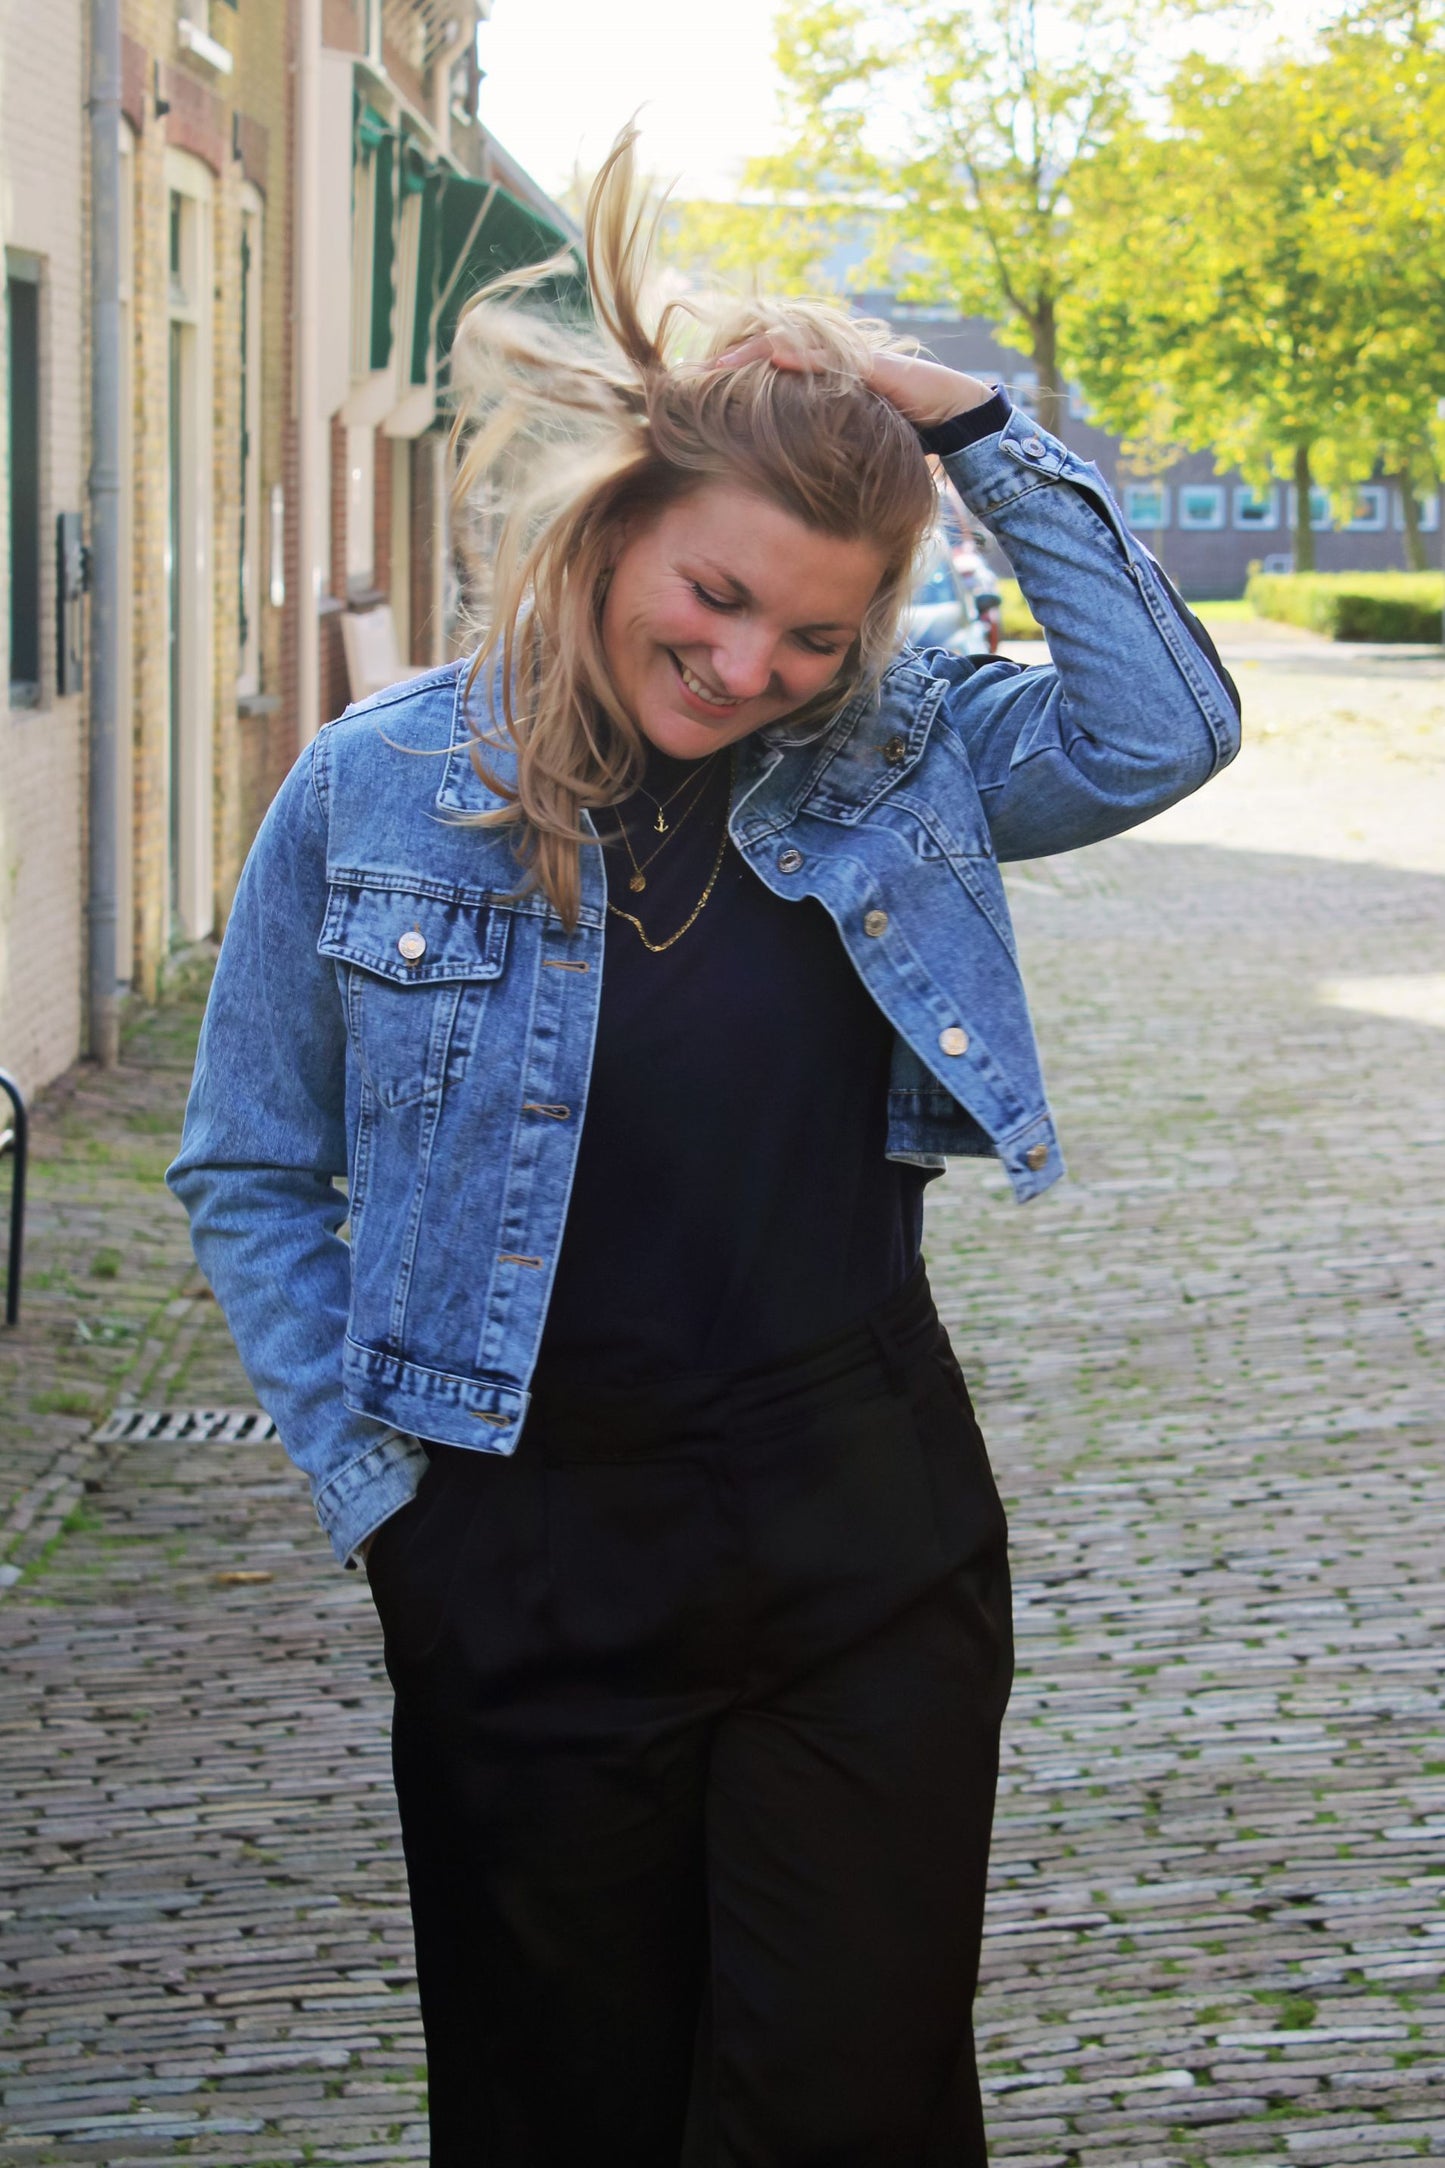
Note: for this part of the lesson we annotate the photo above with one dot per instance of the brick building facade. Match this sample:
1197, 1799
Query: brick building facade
224, 468
44, 453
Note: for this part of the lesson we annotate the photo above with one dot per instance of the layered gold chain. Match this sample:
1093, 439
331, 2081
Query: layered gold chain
656, 948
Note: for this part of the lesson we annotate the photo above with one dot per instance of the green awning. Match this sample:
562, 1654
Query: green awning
466, 233
483, 232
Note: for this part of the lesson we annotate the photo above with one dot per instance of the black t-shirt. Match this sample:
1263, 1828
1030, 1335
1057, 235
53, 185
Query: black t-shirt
732, 1201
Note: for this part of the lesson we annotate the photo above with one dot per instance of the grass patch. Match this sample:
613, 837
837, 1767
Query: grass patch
1234, 610
105, 1265
64, 1400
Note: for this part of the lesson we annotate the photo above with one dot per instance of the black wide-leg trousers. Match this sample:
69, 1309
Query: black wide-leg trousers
696, 1739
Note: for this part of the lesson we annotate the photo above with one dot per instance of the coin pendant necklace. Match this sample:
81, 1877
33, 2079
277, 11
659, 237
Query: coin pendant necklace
656, 948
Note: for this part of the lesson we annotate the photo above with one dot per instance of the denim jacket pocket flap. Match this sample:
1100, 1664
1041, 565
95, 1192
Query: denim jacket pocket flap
412, 935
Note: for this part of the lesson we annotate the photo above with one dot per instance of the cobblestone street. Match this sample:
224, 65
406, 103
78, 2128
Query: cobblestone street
1211, 1368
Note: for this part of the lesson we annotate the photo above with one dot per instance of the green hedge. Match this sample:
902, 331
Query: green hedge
1019, 622
1353, 605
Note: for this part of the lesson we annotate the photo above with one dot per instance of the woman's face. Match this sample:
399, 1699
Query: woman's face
724, 613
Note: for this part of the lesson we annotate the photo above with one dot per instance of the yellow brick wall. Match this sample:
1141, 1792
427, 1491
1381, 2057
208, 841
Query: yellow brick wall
42, 766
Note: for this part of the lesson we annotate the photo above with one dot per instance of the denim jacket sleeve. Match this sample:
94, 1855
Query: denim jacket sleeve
263, 1146
1130, 714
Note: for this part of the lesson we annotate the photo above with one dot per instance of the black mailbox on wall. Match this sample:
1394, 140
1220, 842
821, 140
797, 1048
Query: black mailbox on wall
72, 577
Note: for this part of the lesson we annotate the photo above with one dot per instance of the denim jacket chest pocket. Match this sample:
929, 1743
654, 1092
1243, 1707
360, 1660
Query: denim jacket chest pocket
416, 967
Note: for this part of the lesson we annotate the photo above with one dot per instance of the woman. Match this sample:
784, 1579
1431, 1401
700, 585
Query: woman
688, 1557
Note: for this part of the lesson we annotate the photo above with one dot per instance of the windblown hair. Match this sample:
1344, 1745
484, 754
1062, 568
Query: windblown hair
581, 432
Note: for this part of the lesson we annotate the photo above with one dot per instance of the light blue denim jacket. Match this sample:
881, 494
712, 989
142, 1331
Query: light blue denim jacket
387, 1008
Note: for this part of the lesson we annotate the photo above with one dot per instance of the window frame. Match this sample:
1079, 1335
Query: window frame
191, 327
1215, 491
1143, 523
360, 452
1322, 512
26, 272
1377, 521
1245, 496
1429, 504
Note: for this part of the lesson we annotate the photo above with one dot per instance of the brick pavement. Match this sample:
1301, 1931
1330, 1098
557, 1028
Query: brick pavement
1210, 1371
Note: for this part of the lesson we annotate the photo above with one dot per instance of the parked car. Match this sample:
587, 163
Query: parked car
965, 547
943, 612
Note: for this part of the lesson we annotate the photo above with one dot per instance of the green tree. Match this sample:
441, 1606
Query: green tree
1261, 276
954, 133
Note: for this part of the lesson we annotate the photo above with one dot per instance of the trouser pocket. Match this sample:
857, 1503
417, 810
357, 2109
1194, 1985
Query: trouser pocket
416, 1556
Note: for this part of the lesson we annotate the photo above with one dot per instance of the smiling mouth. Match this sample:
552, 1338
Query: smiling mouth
696, 690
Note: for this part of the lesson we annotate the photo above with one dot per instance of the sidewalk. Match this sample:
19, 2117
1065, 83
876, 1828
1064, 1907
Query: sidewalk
1211, 1368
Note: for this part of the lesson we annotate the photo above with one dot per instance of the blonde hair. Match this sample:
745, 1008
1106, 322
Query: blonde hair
576, 429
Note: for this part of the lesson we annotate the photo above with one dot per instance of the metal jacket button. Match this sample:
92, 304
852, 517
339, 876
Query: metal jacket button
895, 752
789, 861
1036, 1156
875, 922
1034, 446
412, 947
954, 1040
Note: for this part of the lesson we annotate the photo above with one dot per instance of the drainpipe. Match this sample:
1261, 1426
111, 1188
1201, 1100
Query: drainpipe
105, 597
310, 471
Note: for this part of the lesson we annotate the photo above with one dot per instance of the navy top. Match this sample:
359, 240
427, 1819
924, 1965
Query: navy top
732, 1201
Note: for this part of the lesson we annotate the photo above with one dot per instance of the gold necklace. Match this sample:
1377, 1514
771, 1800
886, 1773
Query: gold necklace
638, 880
660, 824
655, 948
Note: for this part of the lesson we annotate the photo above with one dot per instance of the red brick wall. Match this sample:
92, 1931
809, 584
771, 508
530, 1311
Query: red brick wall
423, 528
381, 526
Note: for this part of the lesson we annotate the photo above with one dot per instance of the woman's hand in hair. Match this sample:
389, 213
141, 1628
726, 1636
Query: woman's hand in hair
924, 392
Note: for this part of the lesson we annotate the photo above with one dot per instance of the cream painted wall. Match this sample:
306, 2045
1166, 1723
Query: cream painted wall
42, 768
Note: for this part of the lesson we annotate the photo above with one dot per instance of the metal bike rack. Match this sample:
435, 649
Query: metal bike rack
15, 1141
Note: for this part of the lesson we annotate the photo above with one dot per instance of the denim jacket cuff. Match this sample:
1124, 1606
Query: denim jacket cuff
1020, 458
353, 1503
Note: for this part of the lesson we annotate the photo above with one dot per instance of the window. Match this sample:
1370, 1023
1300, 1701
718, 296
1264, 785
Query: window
360, 506
191, 452
1023, 389
194, 30
1321, 515
248, 599
1201, 507
22, 329
1258, 508
1429, 509
1146, 504
1366, 510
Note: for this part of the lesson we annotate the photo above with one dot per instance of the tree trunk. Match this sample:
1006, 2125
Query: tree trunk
1304, 534
1415, 556
1053, 393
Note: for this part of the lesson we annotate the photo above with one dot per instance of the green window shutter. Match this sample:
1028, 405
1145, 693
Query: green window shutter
383, 257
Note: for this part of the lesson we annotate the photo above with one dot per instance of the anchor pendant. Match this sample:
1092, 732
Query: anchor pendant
660, 825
